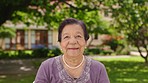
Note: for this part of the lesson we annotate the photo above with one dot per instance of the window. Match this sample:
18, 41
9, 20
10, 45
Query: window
39, 38
7, 43
96, 36
49, 38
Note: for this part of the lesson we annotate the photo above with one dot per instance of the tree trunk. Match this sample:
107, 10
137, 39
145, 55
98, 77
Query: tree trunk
144, 57
146, 54
146, 61
89, 43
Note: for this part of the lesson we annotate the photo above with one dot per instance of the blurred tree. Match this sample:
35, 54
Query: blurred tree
48, 11
131, 18
8, 7
52, 12
6, 32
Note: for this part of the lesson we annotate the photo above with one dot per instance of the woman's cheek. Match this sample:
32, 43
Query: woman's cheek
83, 44
63, 46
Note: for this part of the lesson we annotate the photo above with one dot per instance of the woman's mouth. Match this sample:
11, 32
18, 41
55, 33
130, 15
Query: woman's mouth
73, 48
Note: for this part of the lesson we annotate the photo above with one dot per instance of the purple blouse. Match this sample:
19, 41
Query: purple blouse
52, 71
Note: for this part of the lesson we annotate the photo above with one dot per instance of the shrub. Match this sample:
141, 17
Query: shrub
4, 55
92, 51
56, 51
22, 54
35, 53
40, 52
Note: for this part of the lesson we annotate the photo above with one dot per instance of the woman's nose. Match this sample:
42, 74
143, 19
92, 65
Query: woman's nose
72, 40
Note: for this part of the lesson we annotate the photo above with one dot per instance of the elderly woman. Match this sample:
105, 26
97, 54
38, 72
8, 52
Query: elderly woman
72, 66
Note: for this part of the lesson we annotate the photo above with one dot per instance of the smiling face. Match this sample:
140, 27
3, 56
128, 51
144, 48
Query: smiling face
72, 40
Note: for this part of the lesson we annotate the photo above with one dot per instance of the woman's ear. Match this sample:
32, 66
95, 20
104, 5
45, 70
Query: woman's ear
59, 44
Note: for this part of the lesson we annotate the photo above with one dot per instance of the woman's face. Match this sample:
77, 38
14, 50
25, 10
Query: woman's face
72, 40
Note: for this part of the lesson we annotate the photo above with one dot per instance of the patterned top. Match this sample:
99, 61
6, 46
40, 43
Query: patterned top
52, 71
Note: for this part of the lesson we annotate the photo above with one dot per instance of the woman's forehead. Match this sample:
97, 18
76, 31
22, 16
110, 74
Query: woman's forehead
72, 28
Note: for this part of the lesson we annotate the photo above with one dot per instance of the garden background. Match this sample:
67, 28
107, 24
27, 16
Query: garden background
123, 22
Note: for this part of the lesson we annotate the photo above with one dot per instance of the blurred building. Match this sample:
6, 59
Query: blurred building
30, 37
40, 36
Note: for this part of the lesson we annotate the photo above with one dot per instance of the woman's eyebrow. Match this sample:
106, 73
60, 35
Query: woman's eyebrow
79, 33
64, 34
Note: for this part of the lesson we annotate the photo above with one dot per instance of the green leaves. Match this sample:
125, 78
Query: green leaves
6, 32
128, 15
131, 19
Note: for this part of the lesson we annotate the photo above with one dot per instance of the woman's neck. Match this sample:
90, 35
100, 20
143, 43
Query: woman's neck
73, 61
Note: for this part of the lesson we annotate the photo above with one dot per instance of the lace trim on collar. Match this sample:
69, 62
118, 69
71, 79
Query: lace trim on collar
85, 76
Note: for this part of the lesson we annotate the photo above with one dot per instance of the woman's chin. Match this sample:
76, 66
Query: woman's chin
73, 54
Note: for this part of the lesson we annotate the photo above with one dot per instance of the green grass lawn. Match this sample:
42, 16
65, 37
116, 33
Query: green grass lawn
126, 70
25, 78
120, 70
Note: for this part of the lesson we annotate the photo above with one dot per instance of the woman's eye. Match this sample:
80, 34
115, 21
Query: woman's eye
78, 36
66, 37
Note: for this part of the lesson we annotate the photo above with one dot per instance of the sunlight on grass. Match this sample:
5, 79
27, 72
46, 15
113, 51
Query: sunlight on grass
126, 70
130, 58
120, 70
127, 80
